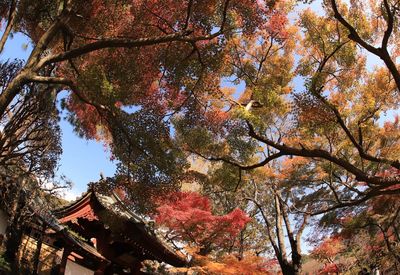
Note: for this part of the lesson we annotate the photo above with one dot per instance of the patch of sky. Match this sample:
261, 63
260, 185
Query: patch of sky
231, 82
388, 116
372, 61
315, 6
82, 160
214, 30
17, 46
131, 109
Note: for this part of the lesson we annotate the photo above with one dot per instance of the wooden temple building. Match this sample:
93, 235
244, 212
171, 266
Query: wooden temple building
96, 234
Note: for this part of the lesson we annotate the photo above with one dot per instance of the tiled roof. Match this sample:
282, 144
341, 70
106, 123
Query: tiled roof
52, 222
117, 207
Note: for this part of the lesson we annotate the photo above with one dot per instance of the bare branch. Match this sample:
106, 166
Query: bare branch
10, 24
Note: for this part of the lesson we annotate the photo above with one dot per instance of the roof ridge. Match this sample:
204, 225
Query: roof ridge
72, 203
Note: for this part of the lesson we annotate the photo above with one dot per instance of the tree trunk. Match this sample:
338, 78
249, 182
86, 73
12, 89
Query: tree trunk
14, 232
287, 268
13, 241
296, 262
290, 268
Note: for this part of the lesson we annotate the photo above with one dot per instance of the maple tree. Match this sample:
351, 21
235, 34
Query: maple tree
333, 121
282, 226
327, 251
112, 57
188, 217
378, 225
336, 148
117, 56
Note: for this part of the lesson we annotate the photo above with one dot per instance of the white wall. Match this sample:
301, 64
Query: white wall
3, 222
75, 269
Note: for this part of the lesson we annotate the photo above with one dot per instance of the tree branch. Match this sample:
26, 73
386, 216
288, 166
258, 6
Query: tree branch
380, 52
10, 24
113, 43
375, 192
267, 223
390, 22
353, 32
319, 153
241, 167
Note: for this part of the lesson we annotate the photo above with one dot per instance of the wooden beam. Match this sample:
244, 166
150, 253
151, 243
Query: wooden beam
64, 260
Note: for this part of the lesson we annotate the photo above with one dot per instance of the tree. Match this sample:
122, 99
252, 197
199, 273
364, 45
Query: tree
149, 81
272, 196
333, 121
147, 55
377, 225
330, 129
362, 237
188, 217
30, 137
29, 152
327, 251
267, 196
278, 223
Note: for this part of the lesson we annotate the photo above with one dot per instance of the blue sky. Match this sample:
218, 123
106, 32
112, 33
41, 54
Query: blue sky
82, 160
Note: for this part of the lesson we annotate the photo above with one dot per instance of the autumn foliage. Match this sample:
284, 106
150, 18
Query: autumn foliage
248, 265
189, 217
328, 249
227, 265
327, 252
295, 109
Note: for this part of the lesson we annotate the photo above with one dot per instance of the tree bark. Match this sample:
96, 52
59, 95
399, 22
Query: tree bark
14, 233
287, 268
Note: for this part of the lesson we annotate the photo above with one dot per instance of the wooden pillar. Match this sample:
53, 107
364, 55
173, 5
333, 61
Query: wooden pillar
64, 259
36, 257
